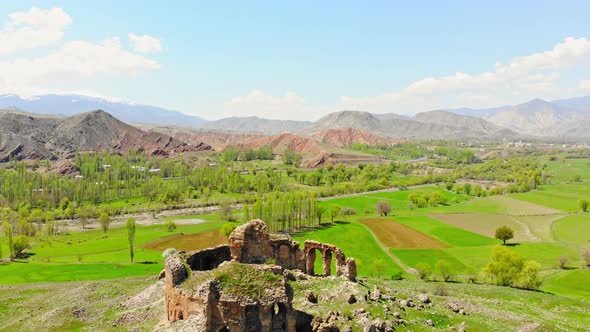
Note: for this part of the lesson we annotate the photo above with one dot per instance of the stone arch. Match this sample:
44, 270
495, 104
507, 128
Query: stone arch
327, 262
310, 260
253, 322
279, 317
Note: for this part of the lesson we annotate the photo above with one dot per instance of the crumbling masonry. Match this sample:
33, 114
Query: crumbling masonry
250, 243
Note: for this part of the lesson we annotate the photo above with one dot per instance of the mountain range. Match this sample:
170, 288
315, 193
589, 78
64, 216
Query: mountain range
32, 136
565, 119
68, 105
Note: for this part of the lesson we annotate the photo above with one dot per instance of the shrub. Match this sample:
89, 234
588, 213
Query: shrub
583, 205
383, 208
424, 271
472, 275
227, 229
19, 244
563, 261
346, 211
397, 276
441, 290
528, 278
586, 257
170, 225
444, 268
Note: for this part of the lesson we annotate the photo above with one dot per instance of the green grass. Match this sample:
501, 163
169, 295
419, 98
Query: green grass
398, 200
570, 283
444, 232
411, 257
93, 255
563, 170
574, 229
19, 273
356, 241
562, 197
95, 246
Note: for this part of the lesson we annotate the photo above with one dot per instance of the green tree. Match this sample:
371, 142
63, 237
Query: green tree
507, 268
334, 212
424, 271
105, 221
383, 208
586, 257
583, 205
131, 235
377, 267
504, 233
528, 277
7, 229
444, 268
19, 244
319, 213
246, 215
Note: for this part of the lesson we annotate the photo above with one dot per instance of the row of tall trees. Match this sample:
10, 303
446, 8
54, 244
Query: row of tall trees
286, 212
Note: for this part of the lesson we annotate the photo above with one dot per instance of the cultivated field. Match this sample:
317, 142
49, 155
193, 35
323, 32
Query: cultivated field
395, 235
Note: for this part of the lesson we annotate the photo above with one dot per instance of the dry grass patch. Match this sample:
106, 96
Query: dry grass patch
516, 207
189, 242
486, 224
395, 235
541, 225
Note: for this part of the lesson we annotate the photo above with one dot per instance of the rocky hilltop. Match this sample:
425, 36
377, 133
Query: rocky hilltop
29, 136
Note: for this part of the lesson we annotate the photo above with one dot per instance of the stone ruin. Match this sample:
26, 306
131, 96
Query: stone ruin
250, 243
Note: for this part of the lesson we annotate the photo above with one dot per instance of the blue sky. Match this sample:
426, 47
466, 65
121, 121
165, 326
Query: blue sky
298, 59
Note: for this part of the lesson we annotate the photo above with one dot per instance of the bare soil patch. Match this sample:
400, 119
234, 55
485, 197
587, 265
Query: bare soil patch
395, 235
189, 242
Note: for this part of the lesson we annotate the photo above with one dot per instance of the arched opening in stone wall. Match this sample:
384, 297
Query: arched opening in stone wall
279, 318
253, 322
310, 262
327, 263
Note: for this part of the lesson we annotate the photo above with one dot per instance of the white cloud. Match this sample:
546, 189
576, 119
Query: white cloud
523, 77
68, 62
145, 43
257, 102
585, 86
32, 29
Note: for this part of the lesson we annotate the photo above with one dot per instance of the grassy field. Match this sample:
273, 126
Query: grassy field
561, 283
356, 241
485, 224
93, 255
444, 232
574, 229
540, 226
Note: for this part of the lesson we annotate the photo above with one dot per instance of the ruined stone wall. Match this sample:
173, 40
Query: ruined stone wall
208, 259
251, 243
